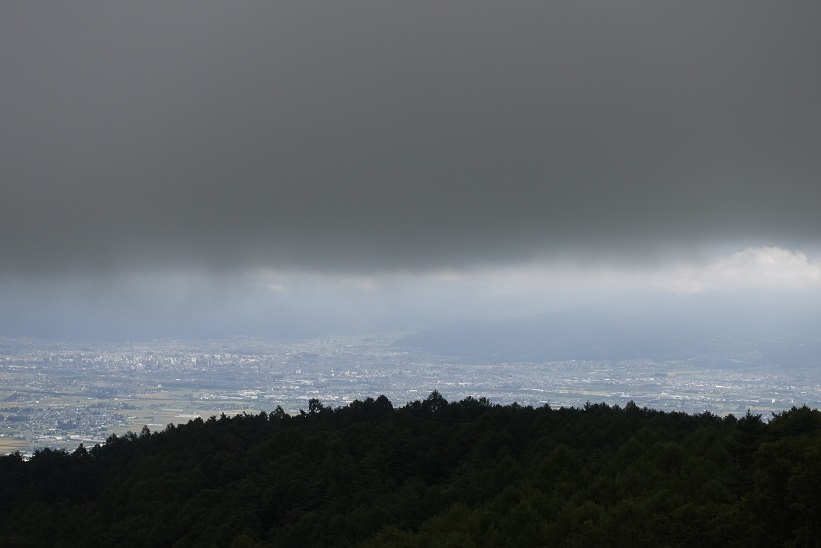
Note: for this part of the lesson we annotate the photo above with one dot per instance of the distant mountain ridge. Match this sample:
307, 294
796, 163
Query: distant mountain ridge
769, 328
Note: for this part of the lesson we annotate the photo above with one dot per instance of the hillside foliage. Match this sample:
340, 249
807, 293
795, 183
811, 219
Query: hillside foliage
429, 473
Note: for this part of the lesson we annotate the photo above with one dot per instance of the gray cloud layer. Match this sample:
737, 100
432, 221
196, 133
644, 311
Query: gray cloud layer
382, 135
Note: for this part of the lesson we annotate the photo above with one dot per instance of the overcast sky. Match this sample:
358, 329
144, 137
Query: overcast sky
225, 165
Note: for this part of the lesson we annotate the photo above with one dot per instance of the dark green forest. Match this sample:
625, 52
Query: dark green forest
429, 473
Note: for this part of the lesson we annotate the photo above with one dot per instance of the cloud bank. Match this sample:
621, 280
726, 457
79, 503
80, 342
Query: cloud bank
372, 136
200, 167
762, 268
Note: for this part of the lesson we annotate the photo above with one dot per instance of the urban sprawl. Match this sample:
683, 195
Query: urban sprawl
63, 393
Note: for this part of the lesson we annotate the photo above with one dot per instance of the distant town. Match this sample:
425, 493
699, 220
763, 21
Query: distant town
62, 393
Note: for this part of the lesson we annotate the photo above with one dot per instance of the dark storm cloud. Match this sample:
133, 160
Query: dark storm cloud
363, 135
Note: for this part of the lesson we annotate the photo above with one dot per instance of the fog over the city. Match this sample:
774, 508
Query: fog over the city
289, 169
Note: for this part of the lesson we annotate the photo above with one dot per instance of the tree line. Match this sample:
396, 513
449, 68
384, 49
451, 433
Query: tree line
429, 473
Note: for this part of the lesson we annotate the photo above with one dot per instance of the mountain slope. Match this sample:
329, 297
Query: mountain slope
656, 326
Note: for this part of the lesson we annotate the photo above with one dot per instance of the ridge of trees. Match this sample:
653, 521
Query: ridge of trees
429, 473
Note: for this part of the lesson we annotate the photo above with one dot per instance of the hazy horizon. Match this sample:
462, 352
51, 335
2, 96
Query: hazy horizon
208, 169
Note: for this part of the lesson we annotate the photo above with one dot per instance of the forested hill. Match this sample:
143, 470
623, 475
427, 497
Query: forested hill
430, 473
